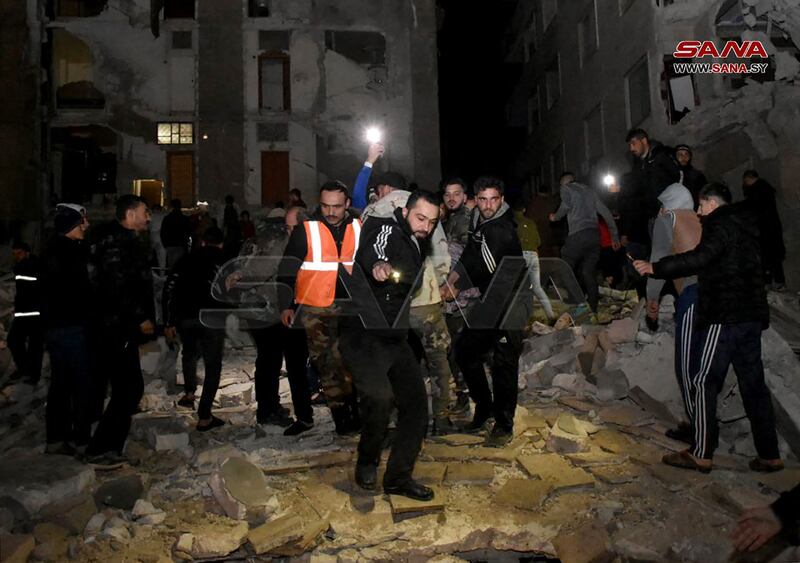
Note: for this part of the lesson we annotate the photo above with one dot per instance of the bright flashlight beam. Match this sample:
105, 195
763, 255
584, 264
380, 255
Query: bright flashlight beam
374, 135
608, 180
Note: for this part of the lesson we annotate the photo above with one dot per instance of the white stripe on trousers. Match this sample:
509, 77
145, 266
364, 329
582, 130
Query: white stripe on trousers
686, 350
700, 418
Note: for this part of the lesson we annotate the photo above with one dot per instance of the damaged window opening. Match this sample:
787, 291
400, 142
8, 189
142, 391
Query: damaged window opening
74, 73
175, 133
258, 8
78, 8
363, 47
637, 89
178, 9
677, 90
274, 92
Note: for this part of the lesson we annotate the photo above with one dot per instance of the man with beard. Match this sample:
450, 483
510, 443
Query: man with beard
693, 179
314, 257
385, 370
493, 236
656, 166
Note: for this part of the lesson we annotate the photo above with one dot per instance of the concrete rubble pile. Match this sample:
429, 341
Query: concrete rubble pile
581, 481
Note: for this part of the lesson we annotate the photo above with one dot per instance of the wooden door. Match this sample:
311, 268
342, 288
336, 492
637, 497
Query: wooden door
274, 177
180, 177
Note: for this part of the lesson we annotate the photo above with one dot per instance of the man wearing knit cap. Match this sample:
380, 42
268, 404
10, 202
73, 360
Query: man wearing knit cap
693, 179
66, 297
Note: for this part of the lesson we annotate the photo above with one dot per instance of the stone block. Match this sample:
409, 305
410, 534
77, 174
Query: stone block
236, 395
560, 442
47, 479
95, 525
564, 362
242, 490
588, 543
161, 433
71, 513
122, 492
469, 473
275, 533
612, 384
404, 505
16, 548
556, 470
217, 539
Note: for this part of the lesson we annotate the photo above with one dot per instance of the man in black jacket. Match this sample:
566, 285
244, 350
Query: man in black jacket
493, 236
760, 196
123, 289
66, 298
693, 179
732, 312
186, 292
25, 337
385, 370
657, 168
176, 229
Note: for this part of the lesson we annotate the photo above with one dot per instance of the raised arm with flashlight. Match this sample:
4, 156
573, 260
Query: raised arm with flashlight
374, 137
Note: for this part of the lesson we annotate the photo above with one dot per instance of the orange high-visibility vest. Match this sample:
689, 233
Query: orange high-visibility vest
316, 280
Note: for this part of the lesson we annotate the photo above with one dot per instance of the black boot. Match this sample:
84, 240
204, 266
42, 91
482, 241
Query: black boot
366, 475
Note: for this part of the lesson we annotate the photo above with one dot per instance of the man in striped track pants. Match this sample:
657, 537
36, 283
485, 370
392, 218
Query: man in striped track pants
732, 311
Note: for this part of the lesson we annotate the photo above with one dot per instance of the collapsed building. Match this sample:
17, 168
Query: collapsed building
590, 71
173, 98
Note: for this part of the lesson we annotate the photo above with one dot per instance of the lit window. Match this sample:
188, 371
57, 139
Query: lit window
175, 134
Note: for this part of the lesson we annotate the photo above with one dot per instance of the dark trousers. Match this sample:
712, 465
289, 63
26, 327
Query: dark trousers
26, 342
582, 253
68, 398
387, 374
472, 346
686, 343
121, 368
455, 324
720, 346
773, 270
200, 341
273, 344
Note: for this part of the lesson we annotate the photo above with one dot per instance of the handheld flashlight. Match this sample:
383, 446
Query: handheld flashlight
609, 180
374, 135
395, 276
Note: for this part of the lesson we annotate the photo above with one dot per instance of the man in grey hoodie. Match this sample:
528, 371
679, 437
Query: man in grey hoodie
581, 205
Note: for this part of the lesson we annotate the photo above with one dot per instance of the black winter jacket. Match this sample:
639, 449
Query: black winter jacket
122, 279
27, 298
694, 180
176, 228
188, 287
66, 291
728, 264
391, 240
659, 169
787, 509
760, 197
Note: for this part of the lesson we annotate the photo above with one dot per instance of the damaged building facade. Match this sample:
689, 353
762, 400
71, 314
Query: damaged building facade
252, 98
592, 70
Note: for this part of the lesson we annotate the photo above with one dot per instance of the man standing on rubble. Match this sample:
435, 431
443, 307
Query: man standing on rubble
25, 337
125, 308
391, 255
493, 236
732, 312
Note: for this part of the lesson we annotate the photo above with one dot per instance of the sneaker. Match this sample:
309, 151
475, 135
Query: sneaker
107, 461
498, 438
766, 466
59, 448
298, 427
279, 418
214, 423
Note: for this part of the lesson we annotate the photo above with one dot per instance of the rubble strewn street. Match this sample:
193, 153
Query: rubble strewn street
581, 481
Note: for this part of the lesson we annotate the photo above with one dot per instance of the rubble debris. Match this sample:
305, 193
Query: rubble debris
45, 480
612, 384
403, 505
16, 548
121, 492
469, 473
275, 533
528, 494
217, 539
556, 470
588, 543
242, 490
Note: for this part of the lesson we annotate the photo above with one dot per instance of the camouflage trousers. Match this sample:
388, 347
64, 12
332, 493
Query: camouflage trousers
455, 324
428, 323
322, 330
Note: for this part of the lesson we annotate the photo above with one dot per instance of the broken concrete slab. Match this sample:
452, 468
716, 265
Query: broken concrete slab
442, 452
588, 543
162, 433
312, 530
556, 470
121, 492
275, 533
580, 405
403, 505
562, 442
647, 402
242, 490
616, 474
595, 458
287, 468
469, 473
461, 439
528, 494
16, 548
72, 513
624, 415
218, 539
613, 441
45, 480
236, 395
214, 457
612, 384
781, 481
622, 330
146, 514
430, 472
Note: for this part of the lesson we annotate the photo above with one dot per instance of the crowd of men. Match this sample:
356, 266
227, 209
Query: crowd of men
375, 283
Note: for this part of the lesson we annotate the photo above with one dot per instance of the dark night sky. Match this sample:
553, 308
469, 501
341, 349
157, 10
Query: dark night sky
473, 87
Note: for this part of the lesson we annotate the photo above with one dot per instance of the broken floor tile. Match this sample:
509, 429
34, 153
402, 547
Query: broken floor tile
275, 533
528, 494
469, 473
616, 474
588, 543
595, 458
624, 415
311, 530
331, 459
405, 505
442, 452
430, 472
561, 442
780, 481
459, 439
577, 404
556, 470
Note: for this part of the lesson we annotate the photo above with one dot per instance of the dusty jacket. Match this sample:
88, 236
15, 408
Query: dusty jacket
437, 265
728, 265
456, 225
581, 205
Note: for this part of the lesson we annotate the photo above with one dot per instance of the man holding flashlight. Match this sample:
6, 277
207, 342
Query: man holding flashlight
391, 254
